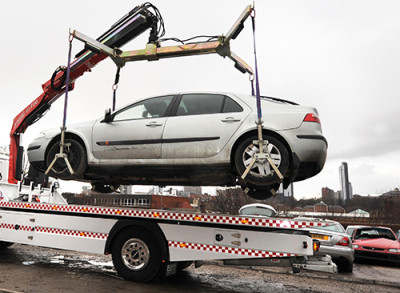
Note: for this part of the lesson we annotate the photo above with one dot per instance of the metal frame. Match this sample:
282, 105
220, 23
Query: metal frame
153, 52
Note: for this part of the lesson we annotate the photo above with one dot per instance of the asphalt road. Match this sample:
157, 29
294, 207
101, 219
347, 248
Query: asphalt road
34, 269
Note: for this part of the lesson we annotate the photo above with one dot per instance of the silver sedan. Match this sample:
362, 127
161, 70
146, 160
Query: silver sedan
203, 139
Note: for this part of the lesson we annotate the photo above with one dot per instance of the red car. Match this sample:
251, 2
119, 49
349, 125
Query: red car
375, 243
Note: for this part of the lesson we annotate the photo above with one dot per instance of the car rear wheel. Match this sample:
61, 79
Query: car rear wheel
261, 193
262, 173
76, 155
344, 265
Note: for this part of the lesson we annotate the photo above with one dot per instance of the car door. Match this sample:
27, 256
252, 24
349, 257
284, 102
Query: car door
202, 126
135, 132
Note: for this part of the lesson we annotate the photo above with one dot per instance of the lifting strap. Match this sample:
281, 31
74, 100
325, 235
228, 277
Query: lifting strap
115, 87
61, 154
261, 141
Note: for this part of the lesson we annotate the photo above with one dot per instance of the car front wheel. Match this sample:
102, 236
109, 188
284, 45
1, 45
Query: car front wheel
77, 158
261, 173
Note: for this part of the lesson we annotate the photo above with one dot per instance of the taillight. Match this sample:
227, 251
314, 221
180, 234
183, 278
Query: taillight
312, 117
344, 242
316, 245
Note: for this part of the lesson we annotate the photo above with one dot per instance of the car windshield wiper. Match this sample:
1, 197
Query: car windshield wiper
279, 100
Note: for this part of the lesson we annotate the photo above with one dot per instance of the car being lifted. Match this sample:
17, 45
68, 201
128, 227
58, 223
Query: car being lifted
196, 138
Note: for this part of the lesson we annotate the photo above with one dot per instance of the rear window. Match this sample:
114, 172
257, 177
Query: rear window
257, 211
334, 228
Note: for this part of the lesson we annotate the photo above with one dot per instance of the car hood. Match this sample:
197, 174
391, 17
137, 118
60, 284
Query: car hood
378, 243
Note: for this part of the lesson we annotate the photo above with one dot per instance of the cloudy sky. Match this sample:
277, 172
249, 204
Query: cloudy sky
341, 57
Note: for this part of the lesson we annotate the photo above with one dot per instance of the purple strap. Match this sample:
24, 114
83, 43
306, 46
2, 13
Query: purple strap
67, 81
258, 97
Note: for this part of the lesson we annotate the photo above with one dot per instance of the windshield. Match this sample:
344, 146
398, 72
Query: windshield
257, 211
372, 233
335, 227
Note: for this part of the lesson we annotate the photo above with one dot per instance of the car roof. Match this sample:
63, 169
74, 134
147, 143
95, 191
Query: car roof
365, 226
261, 205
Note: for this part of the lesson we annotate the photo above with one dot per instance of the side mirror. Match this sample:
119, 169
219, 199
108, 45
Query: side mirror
107, 116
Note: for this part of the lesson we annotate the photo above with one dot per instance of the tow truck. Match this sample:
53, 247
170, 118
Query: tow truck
144, 243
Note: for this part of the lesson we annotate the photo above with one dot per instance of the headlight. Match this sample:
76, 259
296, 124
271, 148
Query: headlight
395, 250
355, 246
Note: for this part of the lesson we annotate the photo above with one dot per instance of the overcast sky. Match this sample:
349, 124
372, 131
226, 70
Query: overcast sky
341, 57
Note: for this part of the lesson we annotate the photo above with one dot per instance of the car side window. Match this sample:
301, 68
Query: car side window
231, 106
197, 104
150, 108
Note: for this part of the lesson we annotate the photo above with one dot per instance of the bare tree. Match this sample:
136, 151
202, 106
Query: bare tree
229, 201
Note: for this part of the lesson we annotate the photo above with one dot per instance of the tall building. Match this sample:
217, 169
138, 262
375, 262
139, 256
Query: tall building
327, 193
346, 191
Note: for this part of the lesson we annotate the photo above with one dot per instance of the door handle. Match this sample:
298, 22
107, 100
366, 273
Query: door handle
230, 120
154, 124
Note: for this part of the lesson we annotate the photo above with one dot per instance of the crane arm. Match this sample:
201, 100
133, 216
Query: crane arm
127, 28
130, 26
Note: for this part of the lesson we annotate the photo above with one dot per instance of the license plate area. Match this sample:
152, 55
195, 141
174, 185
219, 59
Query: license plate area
320, 237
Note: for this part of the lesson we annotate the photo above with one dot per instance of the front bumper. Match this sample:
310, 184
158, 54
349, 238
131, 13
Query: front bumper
379, 256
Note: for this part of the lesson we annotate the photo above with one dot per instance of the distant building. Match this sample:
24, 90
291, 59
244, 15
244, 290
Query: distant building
288, 192
327, 193
192, 190
346, 188
321, 207
394, 192
137, 200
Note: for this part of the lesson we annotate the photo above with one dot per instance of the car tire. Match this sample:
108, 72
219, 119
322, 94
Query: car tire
104, 188
76, 154
136, 255
345, 266
262, 174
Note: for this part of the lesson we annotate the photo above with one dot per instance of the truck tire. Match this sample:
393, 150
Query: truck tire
137, 255
5, 244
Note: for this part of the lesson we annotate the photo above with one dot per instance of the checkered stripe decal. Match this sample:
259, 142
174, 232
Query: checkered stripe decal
227, 249
71, 232
165, 215
54, 231
15, 227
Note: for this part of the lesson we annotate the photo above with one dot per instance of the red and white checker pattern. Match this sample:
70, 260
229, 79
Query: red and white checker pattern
71, 232
227, 249
14, 227
204, 218
55, 231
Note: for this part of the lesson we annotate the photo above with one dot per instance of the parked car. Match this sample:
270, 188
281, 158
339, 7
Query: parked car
257, 209
334, 242
375, 243
201, 139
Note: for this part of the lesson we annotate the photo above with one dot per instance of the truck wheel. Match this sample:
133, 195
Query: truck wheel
5, 244
76, 156
261, 174
136, 255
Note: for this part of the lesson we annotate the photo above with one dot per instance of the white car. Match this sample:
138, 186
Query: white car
200, 139
258, 210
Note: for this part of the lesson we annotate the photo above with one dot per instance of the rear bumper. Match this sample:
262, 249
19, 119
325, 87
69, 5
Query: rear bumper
337, 252
309, 154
